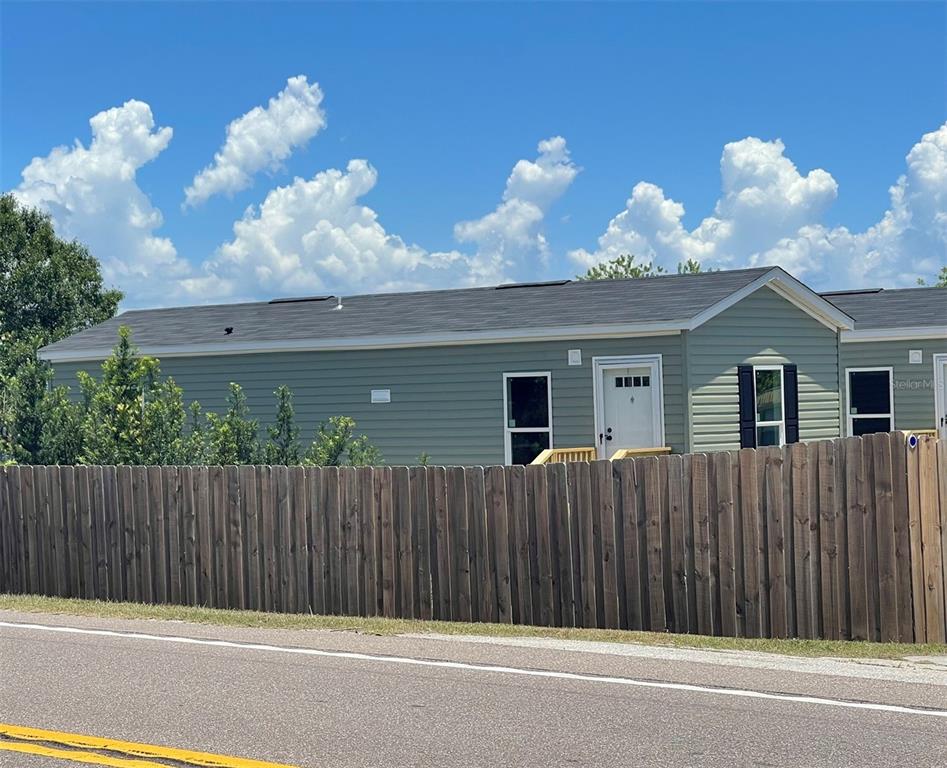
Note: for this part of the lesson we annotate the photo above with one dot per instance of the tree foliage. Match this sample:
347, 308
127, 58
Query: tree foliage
337, 445
130, 416
626, 266
941, 279
234, 437
283, 447
49, 289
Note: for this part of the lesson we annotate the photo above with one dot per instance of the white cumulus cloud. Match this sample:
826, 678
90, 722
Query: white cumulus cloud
313, 235
770, 213
509, 238
92, 195
261, 139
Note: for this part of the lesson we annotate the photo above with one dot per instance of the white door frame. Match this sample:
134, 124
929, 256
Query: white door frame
849, 419
602, 364
940, 391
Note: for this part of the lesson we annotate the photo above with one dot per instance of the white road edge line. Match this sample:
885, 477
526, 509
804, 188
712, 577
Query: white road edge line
407, 661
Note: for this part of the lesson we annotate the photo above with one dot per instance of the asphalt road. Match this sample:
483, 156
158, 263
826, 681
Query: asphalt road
312, 698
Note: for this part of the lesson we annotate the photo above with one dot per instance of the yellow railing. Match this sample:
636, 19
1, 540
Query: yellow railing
631, 453
558, 455
919, 432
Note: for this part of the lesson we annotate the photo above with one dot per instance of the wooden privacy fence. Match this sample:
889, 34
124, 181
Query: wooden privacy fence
834, 539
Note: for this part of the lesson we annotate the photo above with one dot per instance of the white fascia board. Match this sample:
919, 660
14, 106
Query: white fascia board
562, 333
895, 334
790, 289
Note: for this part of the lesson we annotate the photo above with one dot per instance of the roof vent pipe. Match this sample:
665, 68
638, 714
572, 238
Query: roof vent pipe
339, 304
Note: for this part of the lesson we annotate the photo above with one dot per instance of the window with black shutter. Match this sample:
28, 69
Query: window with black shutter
769, 405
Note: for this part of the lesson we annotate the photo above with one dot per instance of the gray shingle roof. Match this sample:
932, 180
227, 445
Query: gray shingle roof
667, 298
897, 308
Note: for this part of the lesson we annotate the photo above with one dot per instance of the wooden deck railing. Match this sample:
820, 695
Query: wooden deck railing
559, 455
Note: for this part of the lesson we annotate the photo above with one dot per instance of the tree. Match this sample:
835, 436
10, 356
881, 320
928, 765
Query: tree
283, 447
233, 438
130, 415
61, 436
941, 279
624, 266
195, 439
49, 289
337, 445
163, 437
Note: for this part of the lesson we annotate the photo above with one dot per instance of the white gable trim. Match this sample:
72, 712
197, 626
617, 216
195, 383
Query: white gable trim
790, 289
895, 334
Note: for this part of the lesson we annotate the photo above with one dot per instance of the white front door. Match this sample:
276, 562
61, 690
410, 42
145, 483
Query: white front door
628, 404
940, 395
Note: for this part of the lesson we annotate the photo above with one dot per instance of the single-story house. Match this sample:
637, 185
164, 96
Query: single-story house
893, 363
491, 375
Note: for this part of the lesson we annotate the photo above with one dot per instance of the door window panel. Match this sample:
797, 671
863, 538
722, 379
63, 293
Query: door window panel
870, 425
527, 401
528, 416
526, 446
869, 402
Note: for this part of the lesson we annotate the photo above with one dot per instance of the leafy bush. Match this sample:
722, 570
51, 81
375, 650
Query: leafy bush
283, 447
130, 415
233, 438
337, 445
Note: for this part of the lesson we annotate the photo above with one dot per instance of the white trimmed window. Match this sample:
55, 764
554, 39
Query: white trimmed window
527, 415
769, 405
870, 400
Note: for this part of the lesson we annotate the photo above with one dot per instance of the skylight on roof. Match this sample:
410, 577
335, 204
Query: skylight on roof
531, 285
299, 299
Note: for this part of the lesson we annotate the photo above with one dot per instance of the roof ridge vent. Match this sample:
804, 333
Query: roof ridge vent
299, 299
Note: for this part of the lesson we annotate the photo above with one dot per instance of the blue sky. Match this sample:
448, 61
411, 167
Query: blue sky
443, 100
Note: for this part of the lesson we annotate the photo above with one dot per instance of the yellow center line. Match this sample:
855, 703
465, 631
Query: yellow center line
76, 757
136, 750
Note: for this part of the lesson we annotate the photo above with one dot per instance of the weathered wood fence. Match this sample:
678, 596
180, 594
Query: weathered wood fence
835, 539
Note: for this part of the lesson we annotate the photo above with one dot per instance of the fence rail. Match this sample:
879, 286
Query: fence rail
833, 539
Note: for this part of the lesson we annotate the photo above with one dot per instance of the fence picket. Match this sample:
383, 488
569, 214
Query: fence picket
884, 525
498, 530
460, 545
401, 497
725, 545
519, 544
933, 568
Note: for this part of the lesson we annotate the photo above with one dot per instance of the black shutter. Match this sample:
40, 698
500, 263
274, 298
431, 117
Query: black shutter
747, 406
791, 401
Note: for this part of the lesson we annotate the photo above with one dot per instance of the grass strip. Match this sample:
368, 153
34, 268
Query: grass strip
848, 649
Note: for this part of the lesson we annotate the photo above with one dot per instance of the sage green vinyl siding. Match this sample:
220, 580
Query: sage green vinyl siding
445, 401
762, 329
913, 383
